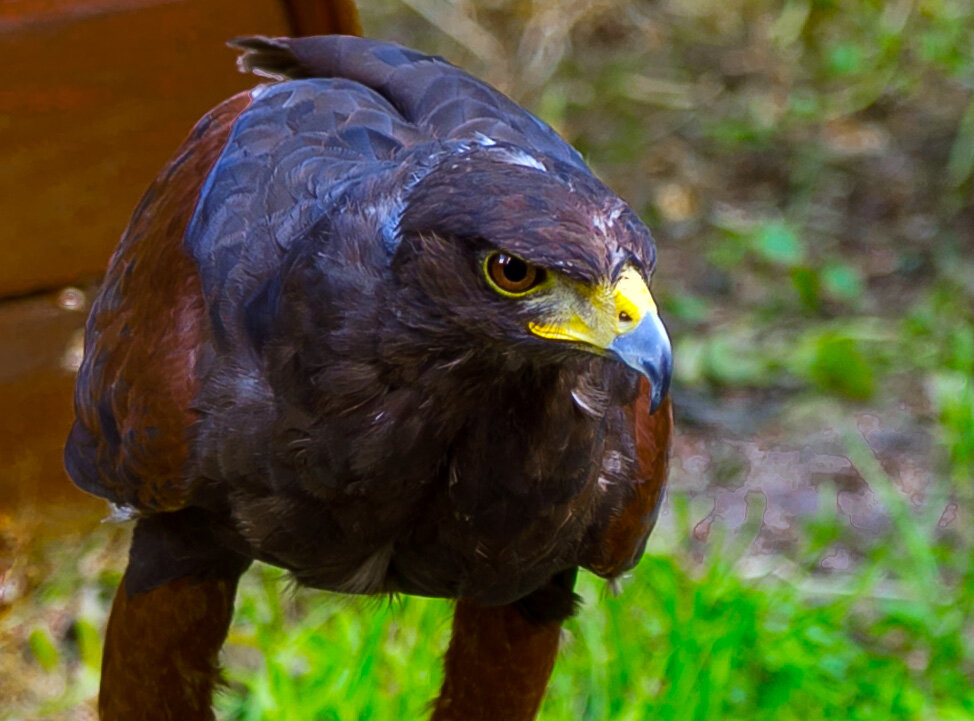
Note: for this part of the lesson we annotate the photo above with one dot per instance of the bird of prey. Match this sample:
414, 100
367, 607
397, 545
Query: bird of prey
380, 326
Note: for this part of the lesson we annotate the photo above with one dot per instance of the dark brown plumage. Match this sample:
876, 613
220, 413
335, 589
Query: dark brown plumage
381, 327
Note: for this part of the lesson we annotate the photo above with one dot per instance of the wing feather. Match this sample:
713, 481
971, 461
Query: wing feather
427, 90
624, 537
133, 399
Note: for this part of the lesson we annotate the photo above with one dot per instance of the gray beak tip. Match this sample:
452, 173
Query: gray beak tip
660, 382
647, 349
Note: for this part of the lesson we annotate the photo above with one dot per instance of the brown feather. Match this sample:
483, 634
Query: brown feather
626, 534
161, 650
143, 360
497, 666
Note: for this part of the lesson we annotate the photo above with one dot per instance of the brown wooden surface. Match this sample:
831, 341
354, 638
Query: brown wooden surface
311, 17
40, 347
96, 96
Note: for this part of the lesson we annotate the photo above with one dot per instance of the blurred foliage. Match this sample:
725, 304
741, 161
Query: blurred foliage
43, 648
801, 162
67, 584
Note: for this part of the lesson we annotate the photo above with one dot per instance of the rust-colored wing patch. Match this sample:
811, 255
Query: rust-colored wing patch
626, 534
133, 399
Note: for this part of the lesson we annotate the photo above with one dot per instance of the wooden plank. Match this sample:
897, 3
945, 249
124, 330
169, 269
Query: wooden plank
95, 97
101, 94
41, 349
321, 17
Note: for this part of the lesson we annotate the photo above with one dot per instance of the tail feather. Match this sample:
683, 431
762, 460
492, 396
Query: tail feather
273, 58
268, 57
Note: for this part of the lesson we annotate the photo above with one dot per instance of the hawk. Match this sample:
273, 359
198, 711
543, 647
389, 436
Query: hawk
380, 326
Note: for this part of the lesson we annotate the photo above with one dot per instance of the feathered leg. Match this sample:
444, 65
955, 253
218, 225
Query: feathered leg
162, 642
500, 657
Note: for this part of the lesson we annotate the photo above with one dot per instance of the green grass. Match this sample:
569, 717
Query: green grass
687, 639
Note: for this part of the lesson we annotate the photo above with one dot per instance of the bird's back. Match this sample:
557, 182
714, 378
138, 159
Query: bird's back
257, 172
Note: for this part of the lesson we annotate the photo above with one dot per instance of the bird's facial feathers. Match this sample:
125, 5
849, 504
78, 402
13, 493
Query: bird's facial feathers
559, 263
617, 317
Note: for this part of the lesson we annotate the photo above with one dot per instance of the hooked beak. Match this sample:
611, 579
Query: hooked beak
622, 319
647, 349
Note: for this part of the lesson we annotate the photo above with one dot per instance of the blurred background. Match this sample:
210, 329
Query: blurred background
806, 167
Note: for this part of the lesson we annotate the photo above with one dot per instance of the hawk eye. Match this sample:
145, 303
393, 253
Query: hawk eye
510, 275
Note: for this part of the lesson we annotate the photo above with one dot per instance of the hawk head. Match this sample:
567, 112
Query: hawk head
530, 257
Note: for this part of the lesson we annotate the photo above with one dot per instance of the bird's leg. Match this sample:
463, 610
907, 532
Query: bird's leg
168, 621
161, 650
500, 657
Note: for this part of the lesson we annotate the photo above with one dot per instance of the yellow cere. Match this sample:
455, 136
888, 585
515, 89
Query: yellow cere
597, 322
576, 329
633, 298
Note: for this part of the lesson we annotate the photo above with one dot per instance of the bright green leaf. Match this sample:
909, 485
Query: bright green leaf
43, 648
779, 244
842, 281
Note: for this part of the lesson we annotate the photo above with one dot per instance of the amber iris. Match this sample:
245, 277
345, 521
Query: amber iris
511, 274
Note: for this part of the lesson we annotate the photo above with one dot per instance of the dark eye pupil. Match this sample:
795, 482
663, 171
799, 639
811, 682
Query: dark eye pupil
510, 274
515, 270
